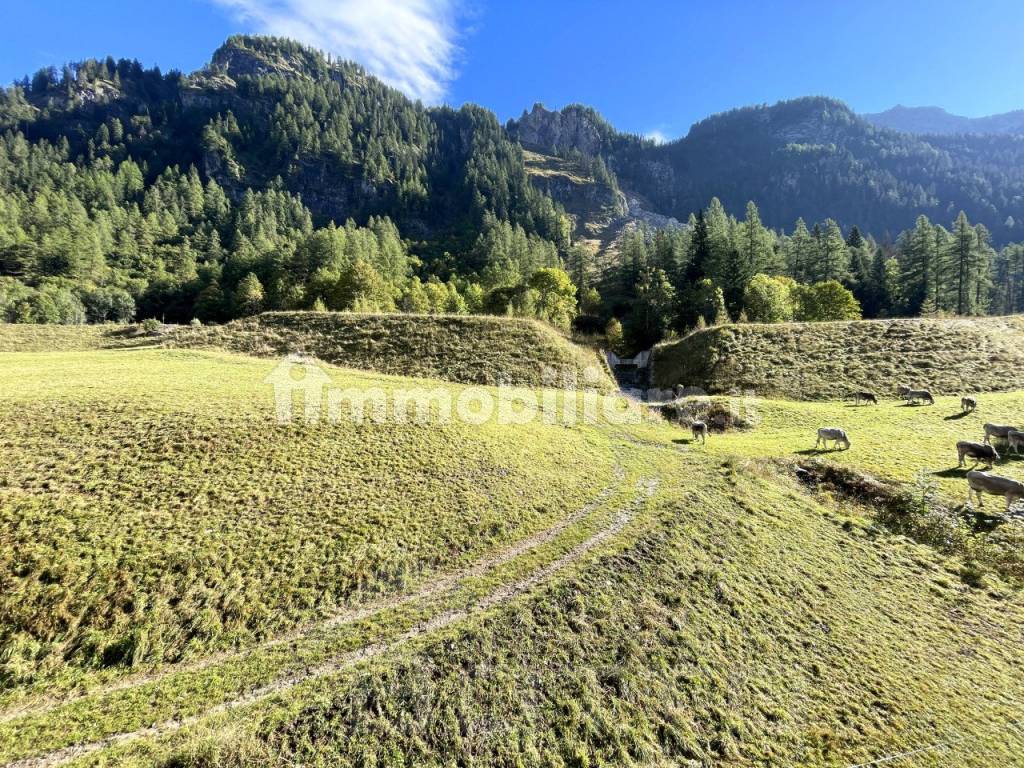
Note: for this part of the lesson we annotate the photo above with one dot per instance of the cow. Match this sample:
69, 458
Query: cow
1016, 440
833, 435
976, 451
1002, 431
979, 483
699, 430
920, 396
968, 404
865, 397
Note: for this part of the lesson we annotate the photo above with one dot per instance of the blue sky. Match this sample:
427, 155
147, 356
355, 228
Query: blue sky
649, 67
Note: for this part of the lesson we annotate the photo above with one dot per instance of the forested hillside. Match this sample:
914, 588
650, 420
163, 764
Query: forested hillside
216, 194
277, 179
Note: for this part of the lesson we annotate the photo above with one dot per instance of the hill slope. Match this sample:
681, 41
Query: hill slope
459, 348
815, 361
231, 591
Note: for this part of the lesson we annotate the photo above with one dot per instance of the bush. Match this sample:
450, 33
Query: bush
715, 412
150, 325
613, 333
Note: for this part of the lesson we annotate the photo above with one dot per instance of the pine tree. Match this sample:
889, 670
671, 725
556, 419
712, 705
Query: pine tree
699, 255
754, 243
799, 252
963, 254
833, 255
249, 295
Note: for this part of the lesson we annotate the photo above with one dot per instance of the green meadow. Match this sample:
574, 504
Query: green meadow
892, 441
184, 581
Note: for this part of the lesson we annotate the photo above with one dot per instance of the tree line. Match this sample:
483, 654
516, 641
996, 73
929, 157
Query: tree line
722, 269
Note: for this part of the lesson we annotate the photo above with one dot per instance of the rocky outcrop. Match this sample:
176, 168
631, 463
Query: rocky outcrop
557, 133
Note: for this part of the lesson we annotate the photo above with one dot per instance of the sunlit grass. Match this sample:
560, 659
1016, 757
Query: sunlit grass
152, 511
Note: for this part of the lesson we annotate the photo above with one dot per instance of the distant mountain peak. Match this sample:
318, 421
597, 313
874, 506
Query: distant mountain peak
934, 120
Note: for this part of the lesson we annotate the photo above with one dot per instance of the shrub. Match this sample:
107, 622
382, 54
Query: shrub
715, 412
613, 333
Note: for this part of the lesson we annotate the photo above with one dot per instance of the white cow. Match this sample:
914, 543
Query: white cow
834, 435
997, 430
979, 483
1016, 440
700, 430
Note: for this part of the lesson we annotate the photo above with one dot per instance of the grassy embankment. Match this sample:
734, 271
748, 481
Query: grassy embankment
464, 349
829, 361
160, 531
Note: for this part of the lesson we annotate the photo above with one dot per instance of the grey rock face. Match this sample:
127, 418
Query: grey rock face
557, 132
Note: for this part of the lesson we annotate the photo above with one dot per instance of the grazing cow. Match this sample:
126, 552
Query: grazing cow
833, 435
699, 430
976, 451
979, 483
1016, 440
1002, 431
919, 396
968, 404
902, 390
865, 397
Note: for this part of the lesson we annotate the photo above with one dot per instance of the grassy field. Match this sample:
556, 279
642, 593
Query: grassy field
829, 361
892, 440
70, 338
464, 349
186, 582
154, 510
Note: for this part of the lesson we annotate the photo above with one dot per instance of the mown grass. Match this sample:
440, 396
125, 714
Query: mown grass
458, 348
737, 623
70, 338
152, 509
153, 512
830, 361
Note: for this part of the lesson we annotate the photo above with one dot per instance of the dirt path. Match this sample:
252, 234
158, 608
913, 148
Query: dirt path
645, 489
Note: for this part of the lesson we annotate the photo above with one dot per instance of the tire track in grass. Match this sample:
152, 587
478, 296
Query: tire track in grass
350, 616
500, 596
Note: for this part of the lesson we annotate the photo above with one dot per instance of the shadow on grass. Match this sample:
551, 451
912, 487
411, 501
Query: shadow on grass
956, 471
817, 451
956, 416
687, 441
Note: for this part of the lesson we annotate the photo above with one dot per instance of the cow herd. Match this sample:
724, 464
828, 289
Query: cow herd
978, 483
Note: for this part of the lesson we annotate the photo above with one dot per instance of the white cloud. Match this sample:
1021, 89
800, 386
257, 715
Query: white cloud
408, 43
657, 136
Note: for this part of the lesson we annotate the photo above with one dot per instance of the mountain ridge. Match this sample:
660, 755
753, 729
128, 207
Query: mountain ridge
932, 120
